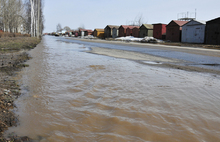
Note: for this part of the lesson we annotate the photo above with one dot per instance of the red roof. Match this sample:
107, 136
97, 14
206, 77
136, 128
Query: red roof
89, 30
180, 23
130, 27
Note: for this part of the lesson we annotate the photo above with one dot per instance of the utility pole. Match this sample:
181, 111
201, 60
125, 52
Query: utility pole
195, 13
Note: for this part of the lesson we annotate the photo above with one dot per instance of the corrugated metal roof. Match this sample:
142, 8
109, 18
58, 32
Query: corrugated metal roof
201, 21
198, 21
148, 26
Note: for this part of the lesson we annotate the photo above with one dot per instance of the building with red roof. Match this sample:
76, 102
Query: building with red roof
174, 30
125, 30
159, 31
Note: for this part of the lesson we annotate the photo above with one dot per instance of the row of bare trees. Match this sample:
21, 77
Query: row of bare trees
22, 16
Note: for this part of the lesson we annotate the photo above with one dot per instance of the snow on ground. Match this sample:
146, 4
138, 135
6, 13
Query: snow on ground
145, 39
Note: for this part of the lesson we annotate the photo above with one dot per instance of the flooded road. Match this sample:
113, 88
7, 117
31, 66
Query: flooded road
71, 95
197, 57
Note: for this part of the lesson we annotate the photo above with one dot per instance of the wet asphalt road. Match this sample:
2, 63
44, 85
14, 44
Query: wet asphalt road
208, 59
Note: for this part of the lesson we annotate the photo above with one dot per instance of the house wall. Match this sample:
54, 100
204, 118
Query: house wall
150, 32
193, 33
135, 32
128, 32
173, 32
159, 30
114, 33
107, 32
122, 32
85, 33
164, 28
95, 33
212, 33
145, 32
99, 34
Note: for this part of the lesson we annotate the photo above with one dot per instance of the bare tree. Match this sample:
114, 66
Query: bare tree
138, 21
67, 28
81, 27
59, 27
11, 15
21, 15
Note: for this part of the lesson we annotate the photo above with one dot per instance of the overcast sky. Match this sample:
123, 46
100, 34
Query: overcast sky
99, 13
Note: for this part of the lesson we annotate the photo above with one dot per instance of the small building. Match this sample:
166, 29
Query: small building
99, 33
129, 30
81, 32
212, 32
174, 30
135, 31
194, 31
122, 30
76, 34
125, 30
109, 31
159, 31
114, 32
88, 32
146, 30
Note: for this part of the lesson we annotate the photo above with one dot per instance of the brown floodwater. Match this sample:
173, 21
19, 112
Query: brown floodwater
69, 95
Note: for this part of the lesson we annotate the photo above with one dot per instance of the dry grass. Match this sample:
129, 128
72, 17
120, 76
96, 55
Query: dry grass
12, 60
17, 43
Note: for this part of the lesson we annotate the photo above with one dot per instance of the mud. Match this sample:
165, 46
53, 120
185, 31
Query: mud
11, 61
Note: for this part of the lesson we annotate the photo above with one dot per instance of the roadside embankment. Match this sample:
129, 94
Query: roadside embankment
152, 60
149, 59
169, 44
12, 57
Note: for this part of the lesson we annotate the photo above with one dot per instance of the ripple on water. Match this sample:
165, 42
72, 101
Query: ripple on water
77, 96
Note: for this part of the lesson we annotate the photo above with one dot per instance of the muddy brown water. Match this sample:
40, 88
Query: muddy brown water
70, 95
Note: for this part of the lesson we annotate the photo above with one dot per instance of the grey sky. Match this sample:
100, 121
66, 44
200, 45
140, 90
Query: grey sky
99, 13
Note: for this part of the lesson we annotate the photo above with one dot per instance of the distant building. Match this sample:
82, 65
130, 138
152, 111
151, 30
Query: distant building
109, 31
174, 30
159, 31
81, 32
125, 30
212, 32
122, 30
129, 30
99, 33
146, 30
135, 31
194, 31
88, 32
114, 32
